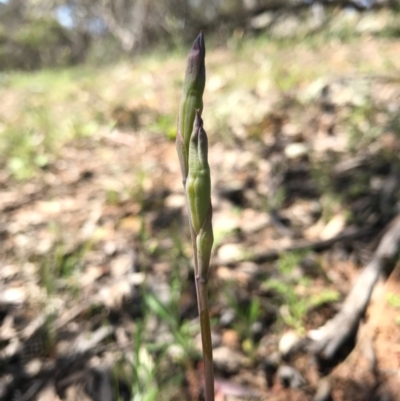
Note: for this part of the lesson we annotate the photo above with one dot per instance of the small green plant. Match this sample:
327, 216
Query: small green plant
180, 332
143, 370
294, 307
324, 297
165, 124
246, 314
363, 126
393, 300
192, 148
288, 262
295, 303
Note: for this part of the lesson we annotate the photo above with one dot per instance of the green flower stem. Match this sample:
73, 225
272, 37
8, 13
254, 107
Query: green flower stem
201, 287
198, 191
198, 197
192, 149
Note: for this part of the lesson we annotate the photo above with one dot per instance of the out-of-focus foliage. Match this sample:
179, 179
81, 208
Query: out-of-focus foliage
31, 39
49, 33
38, 43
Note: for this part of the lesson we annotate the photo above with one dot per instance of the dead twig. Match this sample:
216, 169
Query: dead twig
300, 245
329, 341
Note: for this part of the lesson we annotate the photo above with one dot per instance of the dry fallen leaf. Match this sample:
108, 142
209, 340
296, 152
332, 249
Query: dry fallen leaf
334, 227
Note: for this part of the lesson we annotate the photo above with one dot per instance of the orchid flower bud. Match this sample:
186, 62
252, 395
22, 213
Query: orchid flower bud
198, 185
192, 99
198, 192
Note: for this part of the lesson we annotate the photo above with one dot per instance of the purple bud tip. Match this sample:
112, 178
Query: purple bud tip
199, 44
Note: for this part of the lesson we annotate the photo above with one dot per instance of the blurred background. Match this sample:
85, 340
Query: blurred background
40, 34
302, 111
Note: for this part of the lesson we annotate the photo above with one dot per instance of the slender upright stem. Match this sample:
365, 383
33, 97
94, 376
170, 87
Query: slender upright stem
202, 297
205, 328
192, 148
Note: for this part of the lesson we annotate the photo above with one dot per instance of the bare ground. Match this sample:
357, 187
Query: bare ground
96, 243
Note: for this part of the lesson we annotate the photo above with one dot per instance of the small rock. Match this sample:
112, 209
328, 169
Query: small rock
290, 377
323, 392
110, 248
247, 271
296, 150
229, 253
120, 265
230, 338
313, 91
286, 27
252, 221
74, 392
175, 201
333, 227
90, 275
228, 361
113, 296
48, 393
291, 130
288, 343
342, 94
176, 352
227, 317
374, 22
257, 329
262, 20
225, 221
216, 83
8, 271
12, 296
33, 367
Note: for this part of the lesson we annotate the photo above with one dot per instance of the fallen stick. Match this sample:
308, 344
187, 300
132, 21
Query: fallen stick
328, 342
272, 254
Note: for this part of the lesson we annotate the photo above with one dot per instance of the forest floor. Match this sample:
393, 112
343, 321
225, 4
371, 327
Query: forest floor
97, 298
